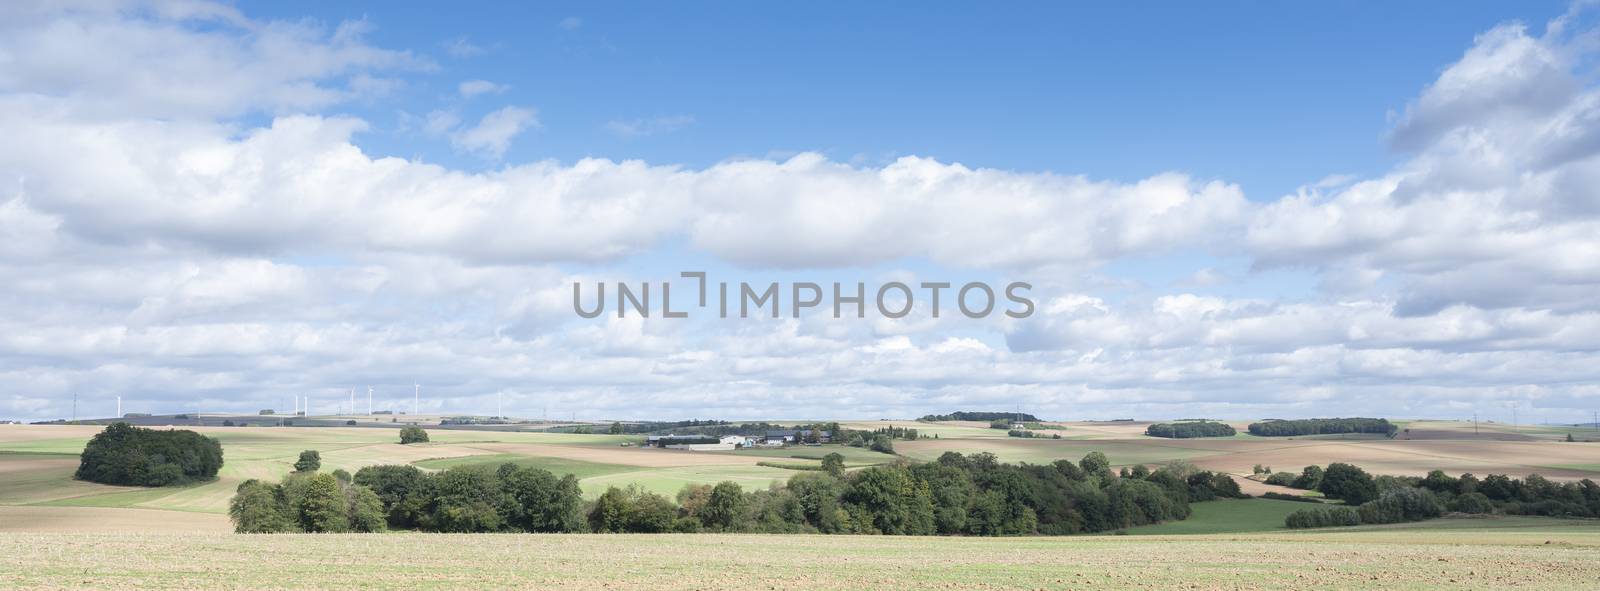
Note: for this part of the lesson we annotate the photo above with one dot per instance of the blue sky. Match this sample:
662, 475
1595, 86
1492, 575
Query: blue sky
222, 206
1269, 96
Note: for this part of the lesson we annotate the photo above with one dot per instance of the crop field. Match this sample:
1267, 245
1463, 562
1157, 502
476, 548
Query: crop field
1462, 554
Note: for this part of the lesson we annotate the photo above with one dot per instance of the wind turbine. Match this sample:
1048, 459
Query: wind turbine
416, 394
369, 400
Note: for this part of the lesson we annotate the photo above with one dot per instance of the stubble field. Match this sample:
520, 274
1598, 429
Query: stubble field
1534, 554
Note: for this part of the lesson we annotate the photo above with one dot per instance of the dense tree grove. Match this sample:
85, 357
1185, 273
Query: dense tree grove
1282, 428
128, 455
413, 434
956, 495
1190, 429
1394, 499
305, 502
963, 415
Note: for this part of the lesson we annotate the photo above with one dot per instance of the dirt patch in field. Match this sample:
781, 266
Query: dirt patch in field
108, 520
626, 456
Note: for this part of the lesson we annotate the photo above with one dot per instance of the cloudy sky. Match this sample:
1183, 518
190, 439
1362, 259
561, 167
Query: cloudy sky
1235, 211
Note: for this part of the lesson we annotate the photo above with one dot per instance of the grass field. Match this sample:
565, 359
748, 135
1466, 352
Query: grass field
1526, 554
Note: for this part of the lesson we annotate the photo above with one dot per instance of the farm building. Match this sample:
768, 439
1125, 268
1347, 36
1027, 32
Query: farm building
696, 442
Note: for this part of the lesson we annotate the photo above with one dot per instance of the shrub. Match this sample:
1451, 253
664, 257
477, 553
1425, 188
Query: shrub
1401, 505
350, 422
1309, 479
1283, 497
1323, 517
833, 464
882, 444
413, 434
127, 455
310, 461
789, 465
1281, 478
1473, 503
1207, 486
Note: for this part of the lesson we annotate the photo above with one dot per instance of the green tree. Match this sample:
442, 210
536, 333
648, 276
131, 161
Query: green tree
464, 499
891, 501
310, 461
724, 508
616, 428
1095, 463
322, 506
540, 502
365, 509
392, 484
833, 464
881, 443
259, 508
1310, 478
610, 512
818, 499
1348, 483
413, 434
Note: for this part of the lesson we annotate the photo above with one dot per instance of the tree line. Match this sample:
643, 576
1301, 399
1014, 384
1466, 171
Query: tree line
1394, 499
955, 495
1190, 429
1292, 427
964, 415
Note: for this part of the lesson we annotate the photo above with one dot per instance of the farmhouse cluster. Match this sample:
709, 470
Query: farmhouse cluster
771, 438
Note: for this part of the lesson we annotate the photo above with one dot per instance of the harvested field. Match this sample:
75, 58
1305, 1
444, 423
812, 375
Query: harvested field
1423, 559
100, 520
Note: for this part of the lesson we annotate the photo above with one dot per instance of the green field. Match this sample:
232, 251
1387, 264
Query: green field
853, 456
578, 468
